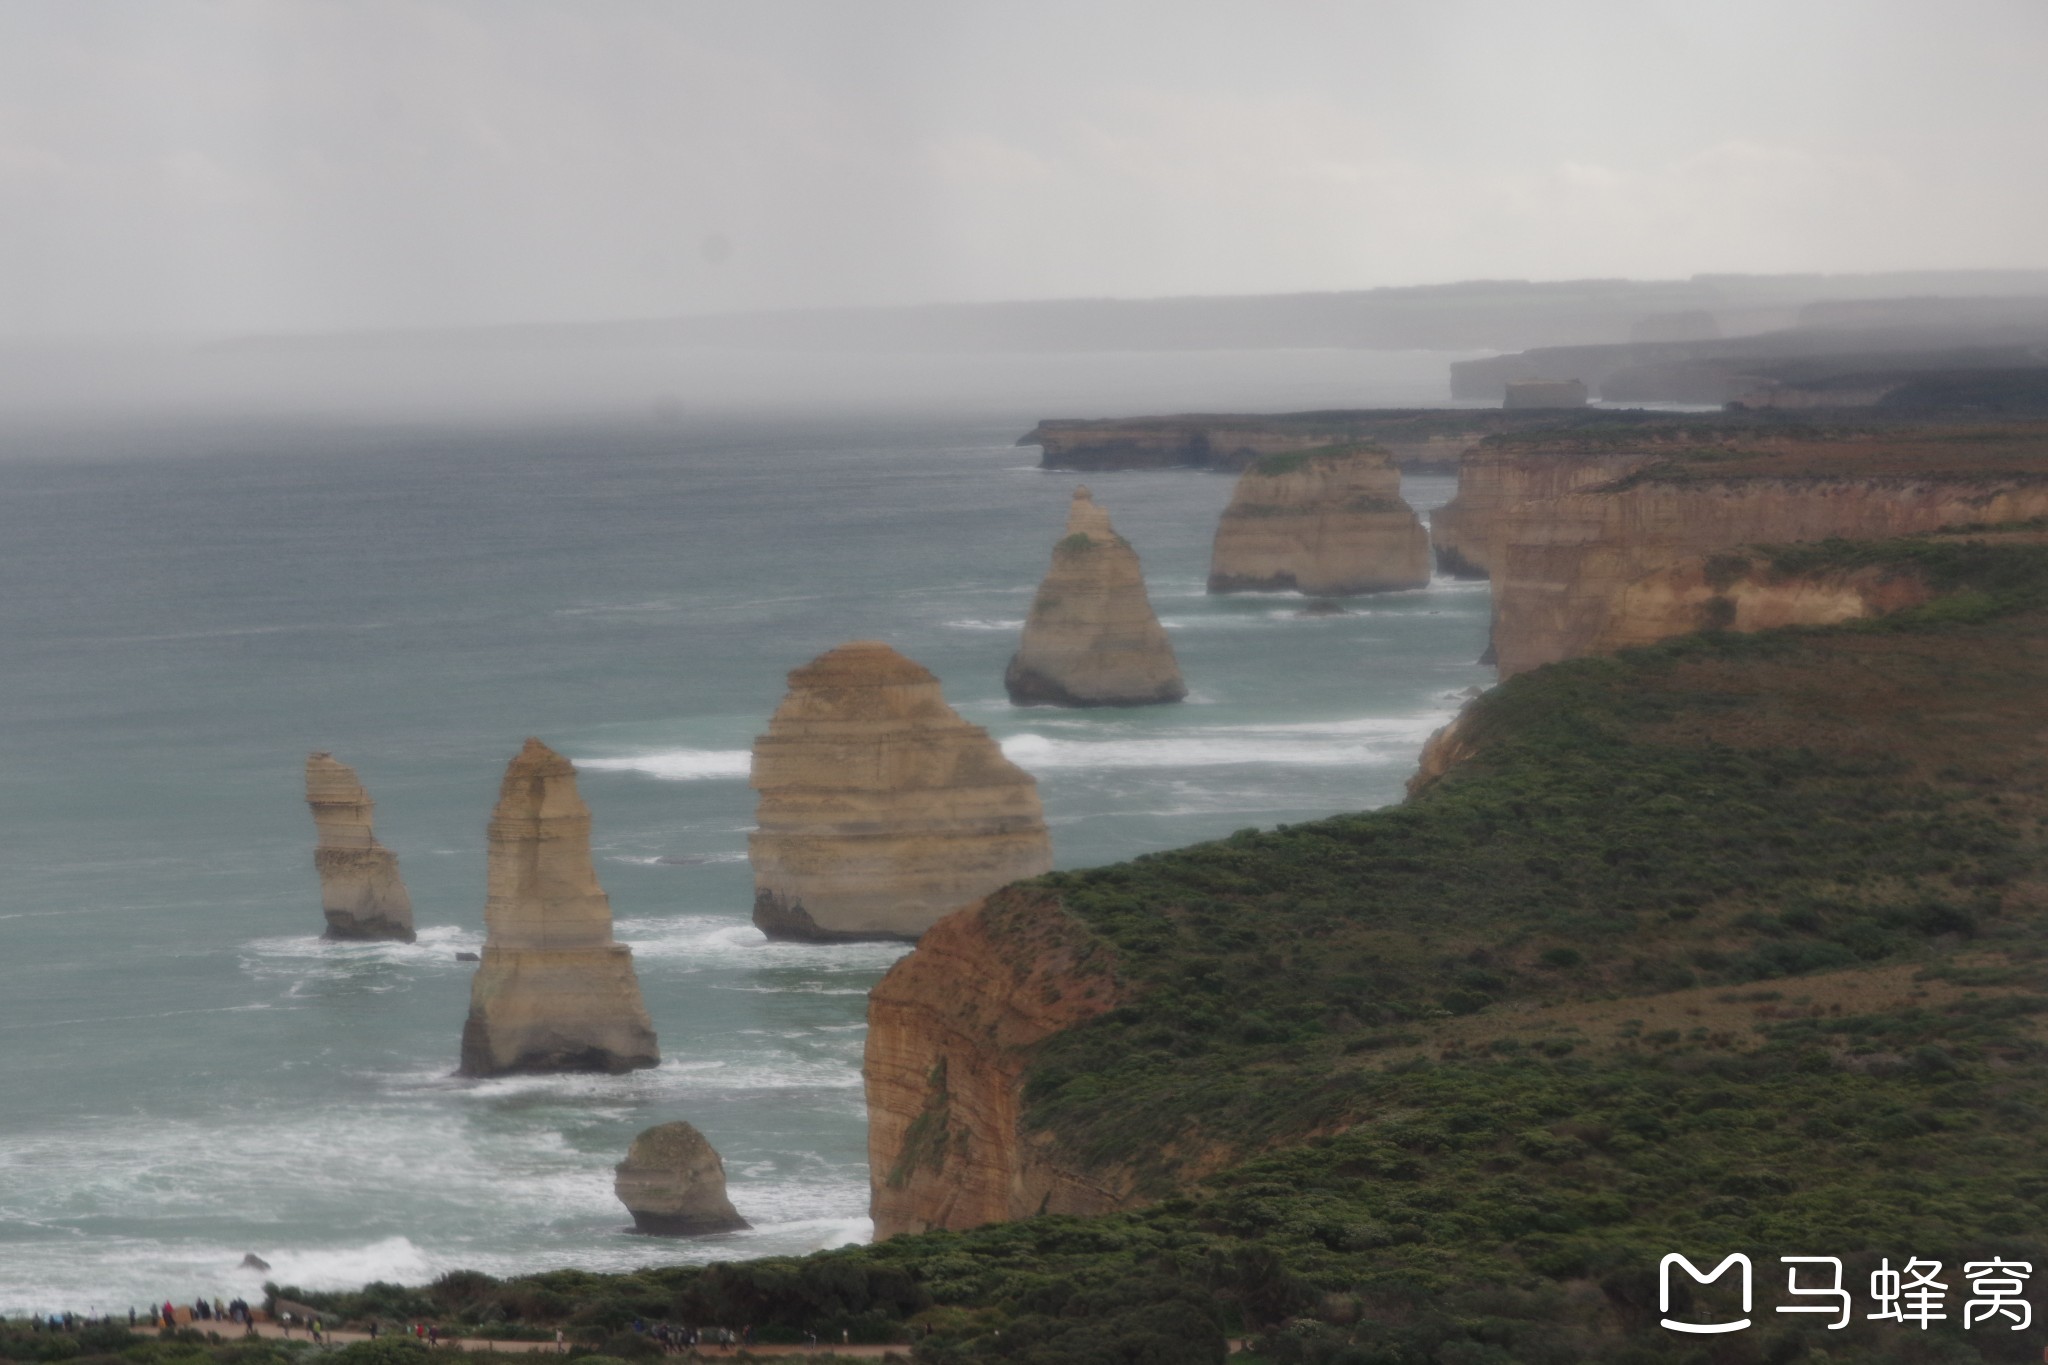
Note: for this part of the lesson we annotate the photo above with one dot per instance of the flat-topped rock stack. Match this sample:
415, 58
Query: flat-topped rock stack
361, 893
554, 992
881, 809
1092, 638
673, 1183
1327, 522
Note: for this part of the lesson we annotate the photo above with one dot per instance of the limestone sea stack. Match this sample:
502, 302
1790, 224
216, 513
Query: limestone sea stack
361, 892
673, 1184
1092, 638
1328, 522
554, 992
881, 809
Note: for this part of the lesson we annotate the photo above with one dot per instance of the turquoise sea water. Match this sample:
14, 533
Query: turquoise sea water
187, 1074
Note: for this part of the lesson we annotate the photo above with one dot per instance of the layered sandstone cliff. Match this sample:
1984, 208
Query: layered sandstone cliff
673, 1183
881, 809
1631, 560
1498, 475
361, 893
554, 992
1329, 523
950, 1031
1092, 638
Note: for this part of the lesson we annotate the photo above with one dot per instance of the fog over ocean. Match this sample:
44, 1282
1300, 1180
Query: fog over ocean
187, 1074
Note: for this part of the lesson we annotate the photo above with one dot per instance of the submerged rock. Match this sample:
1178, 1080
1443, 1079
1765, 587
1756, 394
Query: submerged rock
1330, 523
673, 1183
554, 993
361, 892
1092, 638
881, 809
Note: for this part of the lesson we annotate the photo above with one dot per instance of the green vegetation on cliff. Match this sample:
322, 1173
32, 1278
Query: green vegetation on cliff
1732, 944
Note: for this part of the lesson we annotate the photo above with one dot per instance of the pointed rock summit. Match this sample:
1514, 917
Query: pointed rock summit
1328, 522
554, 992
881, 809
1092, 638
673, 1183
360, 889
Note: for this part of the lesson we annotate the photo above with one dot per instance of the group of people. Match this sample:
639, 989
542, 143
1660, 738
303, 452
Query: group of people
672, 1339
236, 1312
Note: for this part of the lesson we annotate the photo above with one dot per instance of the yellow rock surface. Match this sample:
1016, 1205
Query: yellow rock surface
881, 809
1329, 523
554, 992
361, 893
1092, 638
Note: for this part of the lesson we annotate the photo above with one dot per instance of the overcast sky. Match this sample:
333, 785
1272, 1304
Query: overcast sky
225, 165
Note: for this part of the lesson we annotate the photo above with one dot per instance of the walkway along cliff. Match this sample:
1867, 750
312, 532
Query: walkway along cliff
361, 893
1092, 638
881, 809
554, 992
1328, 522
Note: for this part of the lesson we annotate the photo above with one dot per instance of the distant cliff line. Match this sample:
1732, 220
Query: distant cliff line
1466, 315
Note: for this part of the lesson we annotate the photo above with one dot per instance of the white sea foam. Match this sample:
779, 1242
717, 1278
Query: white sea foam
1004, 624
676, 765
714, 941
1367, 741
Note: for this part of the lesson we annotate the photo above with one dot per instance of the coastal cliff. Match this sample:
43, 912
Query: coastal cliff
553, 992
881, 809
361, 893
1497, 475
950, 1033
1329, 523
1607, 565
1092, 638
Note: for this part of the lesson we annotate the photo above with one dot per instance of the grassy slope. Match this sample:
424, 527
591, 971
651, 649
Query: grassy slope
1735, 943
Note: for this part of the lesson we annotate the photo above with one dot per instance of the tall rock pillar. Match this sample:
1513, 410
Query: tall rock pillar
1092, 638
554, 993
361, 893
881, 809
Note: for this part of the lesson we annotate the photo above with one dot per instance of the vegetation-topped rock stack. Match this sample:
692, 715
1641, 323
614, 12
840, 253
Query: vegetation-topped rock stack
554, 992
361, 893
881, 809
1327, 522
1092, 638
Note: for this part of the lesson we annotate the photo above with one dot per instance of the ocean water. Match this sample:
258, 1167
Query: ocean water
188, 1074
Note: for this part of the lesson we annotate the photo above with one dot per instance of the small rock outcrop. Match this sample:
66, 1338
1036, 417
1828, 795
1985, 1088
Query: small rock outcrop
881, 809
361, 892
1092, 638
1329, 523
554, 992
673, 1184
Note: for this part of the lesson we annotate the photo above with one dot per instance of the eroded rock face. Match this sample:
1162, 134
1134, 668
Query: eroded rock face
361, 893
950, 1030
554, 992
1734, 592
1092, 638
1494, 478
673, 1183
1329, 523
1635, 560
881, 809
